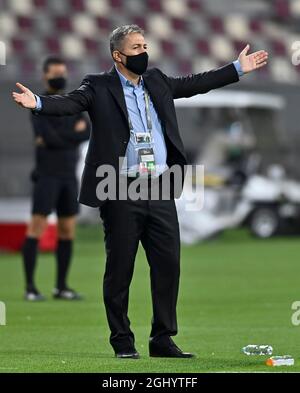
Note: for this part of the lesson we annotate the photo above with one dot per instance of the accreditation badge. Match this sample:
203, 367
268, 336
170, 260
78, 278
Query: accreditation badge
146, 161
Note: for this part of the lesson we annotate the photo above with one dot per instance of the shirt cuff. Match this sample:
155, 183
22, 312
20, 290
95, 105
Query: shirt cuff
38, 103
238, 67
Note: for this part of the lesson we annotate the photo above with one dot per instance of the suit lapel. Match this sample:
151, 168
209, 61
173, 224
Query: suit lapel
156, 96
116, 89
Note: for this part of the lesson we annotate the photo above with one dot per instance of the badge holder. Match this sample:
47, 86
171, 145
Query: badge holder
146, 162
145, 154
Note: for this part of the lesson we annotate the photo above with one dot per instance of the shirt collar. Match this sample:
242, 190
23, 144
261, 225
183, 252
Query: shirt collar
126, 82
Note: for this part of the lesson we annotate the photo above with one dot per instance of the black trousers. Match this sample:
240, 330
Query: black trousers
155, 224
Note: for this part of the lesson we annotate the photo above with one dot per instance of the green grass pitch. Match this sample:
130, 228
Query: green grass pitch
234, 291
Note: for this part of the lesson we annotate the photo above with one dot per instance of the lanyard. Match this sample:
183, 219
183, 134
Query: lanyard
148, 115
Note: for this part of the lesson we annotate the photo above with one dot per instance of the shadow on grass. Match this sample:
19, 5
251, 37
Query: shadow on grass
87, 355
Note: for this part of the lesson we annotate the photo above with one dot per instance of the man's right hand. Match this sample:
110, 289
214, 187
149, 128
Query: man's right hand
26, 99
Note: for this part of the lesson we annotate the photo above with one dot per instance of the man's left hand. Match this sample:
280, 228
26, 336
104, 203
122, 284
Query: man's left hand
253, 61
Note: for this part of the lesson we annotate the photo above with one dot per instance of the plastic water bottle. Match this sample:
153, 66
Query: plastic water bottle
285, 360
258, 350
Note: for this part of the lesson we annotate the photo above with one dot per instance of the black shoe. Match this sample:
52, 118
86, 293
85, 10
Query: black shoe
157, 349
130, 354
33, 295
66, 294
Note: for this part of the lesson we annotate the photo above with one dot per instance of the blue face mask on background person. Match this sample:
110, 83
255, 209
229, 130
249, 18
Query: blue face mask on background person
136, 63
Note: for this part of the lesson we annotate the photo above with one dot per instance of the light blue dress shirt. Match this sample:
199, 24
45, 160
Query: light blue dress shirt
136, 108
238, 67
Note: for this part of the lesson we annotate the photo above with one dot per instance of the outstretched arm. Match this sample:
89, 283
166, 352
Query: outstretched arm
204, 82
58, 105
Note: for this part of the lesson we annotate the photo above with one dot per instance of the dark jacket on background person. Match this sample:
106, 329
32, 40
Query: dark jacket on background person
58, 155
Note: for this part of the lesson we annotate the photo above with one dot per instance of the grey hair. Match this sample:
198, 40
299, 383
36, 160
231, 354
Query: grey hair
116, 38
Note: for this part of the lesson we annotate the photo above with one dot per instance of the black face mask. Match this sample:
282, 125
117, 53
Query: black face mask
137, 63
57, 83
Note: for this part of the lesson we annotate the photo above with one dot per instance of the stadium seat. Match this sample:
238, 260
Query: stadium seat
78, 30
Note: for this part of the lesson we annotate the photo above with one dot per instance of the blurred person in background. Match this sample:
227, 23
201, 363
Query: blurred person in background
55, 185
123, 104
227, 149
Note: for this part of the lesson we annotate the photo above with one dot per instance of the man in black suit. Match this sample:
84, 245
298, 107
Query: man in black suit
129, 106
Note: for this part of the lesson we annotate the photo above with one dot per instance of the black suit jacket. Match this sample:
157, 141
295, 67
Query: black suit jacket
102, 96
